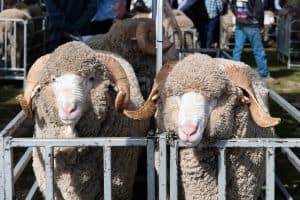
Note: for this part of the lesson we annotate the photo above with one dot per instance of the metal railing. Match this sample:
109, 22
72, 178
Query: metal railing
21, 46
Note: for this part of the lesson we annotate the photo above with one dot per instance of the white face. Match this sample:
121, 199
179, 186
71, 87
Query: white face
193, 114
71, 92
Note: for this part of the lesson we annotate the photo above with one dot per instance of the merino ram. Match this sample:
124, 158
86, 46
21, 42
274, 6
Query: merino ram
201, 101
84, 94
134, 40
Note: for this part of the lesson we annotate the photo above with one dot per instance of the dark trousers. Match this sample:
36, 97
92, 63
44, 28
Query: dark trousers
208, 29
100, 27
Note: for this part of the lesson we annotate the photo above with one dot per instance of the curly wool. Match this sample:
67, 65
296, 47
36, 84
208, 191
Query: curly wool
79, 171
198, 167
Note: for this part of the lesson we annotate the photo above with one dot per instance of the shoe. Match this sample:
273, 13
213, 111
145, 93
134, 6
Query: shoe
271, 81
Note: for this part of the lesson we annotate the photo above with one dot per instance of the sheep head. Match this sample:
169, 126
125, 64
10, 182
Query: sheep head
199, 100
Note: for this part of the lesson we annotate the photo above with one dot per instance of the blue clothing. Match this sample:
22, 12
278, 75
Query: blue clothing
105, 10
207, 29
184, 5
253, 35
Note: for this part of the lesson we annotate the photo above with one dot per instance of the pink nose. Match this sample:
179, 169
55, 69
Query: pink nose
69, 108
189, 129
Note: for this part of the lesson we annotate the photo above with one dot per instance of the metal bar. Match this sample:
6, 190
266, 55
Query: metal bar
293, 158
8, 166
25, 51
284, 191
252, 143
5, 46
67, 142
2, 175
14, 65
159, 34
32, 191
270, 173
294, 112
20, 166
13, 124
49, 173
107, 172
162, 166
150, 170
173, 170
221, 175
11, 20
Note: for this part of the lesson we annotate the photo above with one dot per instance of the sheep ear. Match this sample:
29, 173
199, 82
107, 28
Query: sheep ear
149, 107
31, 84
239, 77
123, 96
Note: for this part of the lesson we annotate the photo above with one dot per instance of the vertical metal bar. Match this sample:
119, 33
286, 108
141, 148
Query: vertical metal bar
25, 52
5, 45
150, 170
221, 175
8, 164
162, 167
270, 174
173, 170
159, 34
49, 173
2, 5
107, 172
1, 168
14, 46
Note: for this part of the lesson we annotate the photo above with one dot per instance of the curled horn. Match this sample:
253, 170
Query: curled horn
149, 107
142, 31
239, 77
122, 98
31, 84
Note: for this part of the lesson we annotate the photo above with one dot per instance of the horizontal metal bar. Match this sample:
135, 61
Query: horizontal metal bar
32, 191
93, 141
294, 112
22, 164
283, 189
252, 143
12, 69
13, 20
13, 124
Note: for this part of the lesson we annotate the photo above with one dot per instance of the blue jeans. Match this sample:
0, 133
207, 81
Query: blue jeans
207, 29
253, 35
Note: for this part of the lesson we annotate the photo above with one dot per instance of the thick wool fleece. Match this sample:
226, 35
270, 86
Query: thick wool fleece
198, 167
78, 172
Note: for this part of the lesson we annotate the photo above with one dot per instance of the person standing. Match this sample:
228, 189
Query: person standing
249, 19
67, 19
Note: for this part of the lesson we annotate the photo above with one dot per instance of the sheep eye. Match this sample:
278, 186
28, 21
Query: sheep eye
53, 78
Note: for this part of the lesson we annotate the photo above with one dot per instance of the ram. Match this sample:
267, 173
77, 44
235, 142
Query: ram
203, 100
84, 94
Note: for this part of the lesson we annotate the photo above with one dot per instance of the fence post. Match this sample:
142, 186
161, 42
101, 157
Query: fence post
49, 173
150, 170
221, 175
1, 168
270, 174
163, 166
173, 170
8, 167
107, 172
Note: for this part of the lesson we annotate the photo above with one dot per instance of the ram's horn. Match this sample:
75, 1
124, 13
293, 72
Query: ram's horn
31, 84
239, 77
123, 96
149, 107
142, 35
